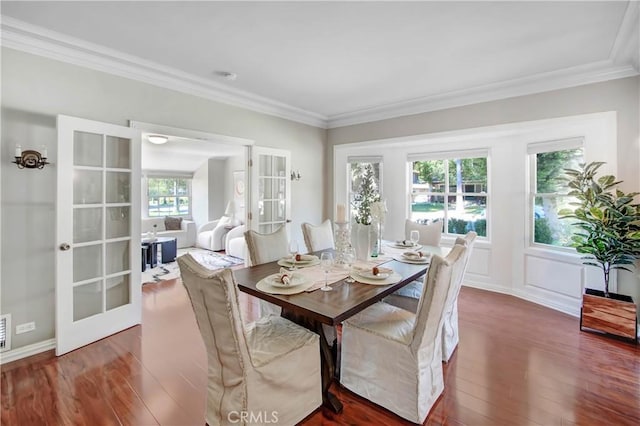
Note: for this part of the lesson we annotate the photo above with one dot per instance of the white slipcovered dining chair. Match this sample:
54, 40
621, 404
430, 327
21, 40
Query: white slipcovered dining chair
392, 356
318, 237
430, 234
269, 366
450, 320
265, 248
408, 297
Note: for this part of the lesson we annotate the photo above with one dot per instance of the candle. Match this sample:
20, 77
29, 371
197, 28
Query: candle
340, 213
18, 151
44, 152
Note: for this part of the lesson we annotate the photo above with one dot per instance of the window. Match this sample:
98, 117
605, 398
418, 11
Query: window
549, 190
168, 196
367, 170
452, 189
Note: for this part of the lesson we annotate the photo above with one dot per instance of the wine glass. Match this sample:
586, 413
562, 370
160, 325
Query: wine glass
326, 262
414, 237
349, 259
293, 250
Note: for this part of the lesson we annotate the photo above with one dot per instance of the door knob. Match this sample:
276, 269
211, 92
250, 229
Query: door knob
64, 246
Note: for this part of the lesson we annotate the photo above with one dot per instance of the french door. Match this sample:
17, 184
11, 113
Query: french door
271, 189
98, 284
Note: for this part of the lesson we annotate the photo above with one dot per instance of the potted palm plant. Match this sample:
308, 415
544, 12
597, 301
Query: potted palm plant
609, 238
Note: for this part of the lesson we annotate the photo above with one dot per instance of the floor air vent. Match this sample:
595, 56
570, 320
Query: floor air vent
5, 332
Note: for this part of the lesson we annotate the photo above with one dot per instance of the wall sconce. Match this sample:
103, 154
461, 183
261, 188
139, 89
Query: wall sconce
30, 159
295, 175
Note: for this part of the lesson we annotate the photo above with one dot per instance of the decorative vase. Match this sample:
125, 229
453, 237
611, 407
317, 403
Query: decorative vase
363, 239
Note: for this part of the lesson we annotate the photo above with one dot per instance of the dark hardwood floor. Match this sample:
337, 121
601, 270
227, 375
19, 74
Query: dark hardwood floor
517, 364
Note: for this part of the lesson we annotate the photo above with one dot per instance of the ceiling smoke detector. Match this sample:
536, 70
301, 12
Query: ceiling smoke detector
231, 76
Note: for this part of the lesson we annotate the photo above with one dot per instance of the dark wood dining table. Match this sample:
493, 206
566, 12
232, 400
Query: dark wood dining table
313, 309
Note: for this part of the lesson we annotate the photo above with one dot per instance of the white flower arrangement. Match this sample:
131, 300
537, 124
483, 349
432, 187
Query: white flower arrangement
378, 211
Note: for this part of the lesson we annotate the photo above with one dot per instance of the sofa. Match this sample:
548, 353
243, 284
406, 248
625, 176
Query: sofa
185, 236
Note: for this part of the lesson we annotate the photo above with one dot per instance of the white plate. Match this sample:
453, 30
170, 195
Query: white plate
369, 275
401, 246
302, 264
424, 258
401, 258
303, 261
296, 279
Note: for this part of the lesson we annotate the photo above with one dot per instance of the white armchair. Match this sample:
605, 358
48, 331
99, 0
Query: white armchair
234, 242
211, 235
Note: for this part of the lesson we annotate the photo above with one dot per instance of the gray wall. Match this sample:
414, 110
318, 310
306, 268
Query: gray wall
217, 183
200, 194
620, 95
34, 91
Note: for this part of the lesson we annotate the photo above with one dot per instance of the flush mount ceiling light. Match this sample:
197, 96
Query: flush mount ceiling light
157, 139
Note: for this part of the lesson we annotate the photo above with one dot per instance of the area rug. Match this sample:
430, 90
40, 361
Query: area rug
209, 259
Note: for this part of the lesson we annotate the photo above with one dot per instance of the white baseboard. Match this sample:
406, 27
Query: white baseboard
25, 351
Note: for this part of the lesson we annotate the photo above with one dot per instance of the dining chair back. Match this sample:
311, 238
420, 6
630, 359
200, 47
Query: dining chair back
269, 366
450, 336
430, 234
265, 248
392, 356
318, 237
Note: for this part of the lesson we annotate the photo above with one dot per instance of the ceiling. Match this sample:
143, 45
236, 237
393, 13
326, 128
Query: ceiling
337, 63
183, 154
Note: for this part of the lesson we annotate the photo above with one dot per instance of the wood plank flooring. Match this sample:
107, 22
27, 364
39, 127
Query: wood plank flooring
517, 364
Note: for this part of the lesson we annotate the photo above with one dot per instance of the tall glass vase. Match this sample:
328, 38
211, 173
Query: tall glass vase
380, 229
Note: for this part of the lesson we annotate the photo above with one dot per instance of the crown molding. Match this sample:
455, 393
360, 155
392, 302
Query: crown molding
20, 35
544, 82
626, 48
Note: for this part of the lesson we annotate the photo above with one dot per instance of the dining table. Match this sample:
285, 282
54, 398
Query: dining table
314, 308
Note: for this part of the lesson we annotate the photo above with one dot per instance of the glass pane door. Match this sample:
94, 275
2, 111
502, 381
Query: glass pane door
97, 286
272, 181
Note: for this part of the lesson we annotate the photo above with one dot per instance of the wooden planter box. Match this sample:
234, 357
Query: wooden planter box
615, 315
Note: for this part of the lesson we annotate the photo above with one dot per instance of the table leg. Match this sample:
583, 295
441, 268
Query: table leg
327, 359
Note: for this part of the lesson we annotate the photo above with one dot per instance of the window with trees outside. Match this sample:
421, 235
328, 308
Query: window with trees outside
363, 169
168, 196
549, 190
453, 190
